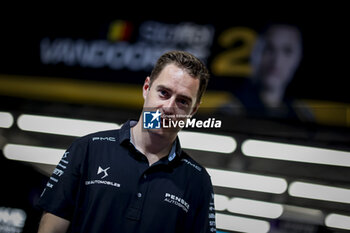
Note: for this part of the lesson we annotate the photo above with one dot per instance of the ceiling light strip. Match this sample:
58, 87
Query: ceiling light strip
338, 221
62, 126
33, 154
248, 207
297, 153
238, 180
255, 208
6, 120
319, 192
241, 224
207, 142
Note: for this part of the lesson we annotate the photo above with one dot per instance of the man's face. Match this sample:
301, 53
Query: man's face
280, 57
173, 93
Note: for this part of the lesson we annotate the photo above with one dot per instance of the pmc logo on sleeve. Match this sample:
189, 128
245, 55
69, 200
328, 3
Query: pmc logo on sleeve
151, 120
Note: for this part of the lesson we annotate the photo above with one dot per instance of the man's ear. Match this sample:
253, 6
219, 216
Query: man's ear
146, 86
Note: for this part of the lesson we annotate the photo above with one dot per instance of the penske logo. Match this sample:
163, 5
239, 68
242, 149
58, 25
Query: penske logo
175, 200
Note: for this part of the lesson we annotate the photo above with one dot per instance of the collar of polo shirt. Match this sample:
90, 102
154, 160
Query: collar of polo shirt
172, 153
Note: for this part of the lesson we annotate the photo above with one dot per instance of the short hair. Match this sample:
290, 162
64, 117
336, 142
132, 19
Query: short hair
184, 60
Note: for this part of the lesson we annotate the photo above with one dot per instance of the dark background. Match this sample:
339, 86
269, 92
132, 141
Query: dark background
322, 76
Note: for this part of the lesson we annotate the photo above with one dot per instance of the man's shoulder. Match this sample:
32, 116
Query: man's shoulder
106, 135
102, 136
193, 166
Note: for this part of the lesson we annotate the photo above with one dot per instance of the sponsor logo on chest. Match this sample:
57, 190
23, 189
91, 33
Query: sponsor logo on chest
102, 172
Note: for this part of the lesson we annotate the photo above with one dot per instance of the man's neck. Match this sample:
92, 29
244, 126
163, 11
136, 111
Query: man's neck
154, 146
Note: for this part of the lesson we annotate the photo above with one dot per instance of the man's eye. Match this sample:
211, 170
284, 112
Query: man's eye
183, 102
163, 93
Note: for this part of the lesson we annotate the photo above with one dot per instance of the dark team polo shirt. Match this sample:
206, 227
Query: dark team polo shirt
104, 184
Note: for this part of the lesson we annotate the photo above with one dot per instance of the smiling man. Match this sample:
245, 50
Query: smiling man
141, 180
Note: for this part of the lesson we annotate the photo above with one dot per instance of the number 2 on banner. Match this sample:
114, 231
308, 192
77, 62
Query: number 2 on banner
235, 60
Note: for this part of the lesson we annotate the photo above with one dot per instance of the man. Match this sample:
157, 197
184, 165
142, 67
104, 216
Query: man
275, 59
137, 179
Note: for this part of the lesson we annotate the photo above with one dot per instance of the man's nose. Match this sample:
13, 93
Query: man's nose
169, 105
